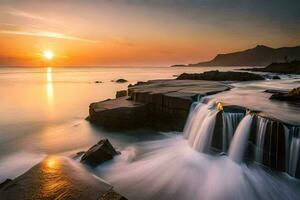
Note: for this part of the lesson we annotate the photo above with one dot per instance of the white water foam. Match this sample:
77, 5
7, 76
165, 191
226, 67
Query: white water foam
170, 169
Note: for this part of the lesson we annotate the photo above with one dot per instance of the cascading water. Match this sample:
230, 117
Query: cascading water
260, 138
294, 150
170, 169
191, 118
200, 126
204, 136
230, 123
240, 139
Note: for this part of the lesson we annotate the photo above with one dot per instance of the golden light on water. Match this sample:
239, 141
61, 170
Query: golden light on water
49, 85
51, 163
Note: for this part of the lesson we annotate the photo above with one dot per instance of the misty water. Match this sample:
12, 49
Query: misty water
43, 110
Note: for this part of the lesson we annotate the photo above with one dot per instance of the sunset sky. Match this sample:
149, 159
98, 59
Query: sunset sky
140, 32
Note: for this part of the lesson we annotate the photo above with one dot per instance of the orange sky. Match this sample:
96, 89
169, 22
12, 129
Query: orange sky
134, 32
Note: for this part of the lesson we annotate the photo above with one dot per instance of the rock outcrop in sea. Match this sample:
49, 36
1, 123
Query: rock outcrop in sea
281, 67
221, 76
292, 95
99, 153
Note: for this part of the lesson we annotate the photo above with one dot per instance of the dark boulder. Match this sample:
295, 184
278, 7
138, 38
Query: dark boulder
98, 82
292, 95
99, 153
221, 76
121, 93
276, 78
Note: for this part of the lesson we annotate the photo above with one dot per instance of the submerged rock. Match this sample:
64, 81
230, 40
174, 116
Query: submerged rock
221, 76
121, 80
292, 95
99, 153
58, 178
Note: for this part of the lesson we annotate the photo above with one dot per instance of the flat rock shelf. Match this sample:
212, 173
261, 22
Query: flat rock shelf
158, 104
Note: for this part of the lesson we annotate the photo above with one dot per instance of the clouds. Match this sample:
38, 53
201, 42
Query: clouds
24, 23
48, 35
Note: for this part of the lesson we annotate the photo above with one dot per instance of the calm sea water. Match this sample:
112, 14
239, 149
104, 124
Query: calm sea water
42, 112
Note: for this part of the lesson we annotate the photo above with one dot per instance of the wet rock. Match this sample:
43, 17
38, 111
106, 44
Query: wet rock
221, 76
99, 153
5, 183
160, 104
121, 93
276, 91
121, 80
57, 178
168, 101
78, 154
292, 95
276, 78
117, 114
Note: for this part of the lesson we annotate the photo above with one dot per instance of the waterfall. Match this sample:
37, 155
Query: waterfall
200, 126
294, 150
260, 138
230, 122
240, 139
191, 118
204, 135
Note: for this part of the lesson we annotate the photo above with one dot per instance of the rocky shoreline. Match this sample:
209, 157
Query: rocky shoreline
164, 105
221, 76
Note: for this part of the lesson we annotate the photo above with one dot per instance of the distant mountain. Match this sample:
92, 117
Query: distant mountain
259, 56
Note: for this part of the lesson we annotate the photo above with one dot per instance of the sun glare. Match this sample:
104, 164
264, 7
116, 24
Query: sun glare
48, 55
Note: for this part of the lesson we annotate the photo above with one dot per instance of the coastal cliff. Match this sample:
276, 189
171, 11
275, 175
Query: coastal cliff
259, 56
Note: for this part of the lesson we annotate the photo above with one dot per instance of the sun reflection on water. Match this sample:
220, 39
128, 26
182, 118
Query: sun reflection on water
49, 85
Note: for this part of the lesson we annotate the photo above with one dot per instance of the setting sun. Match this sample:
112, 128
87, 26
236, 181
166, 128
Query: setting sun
48, 55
